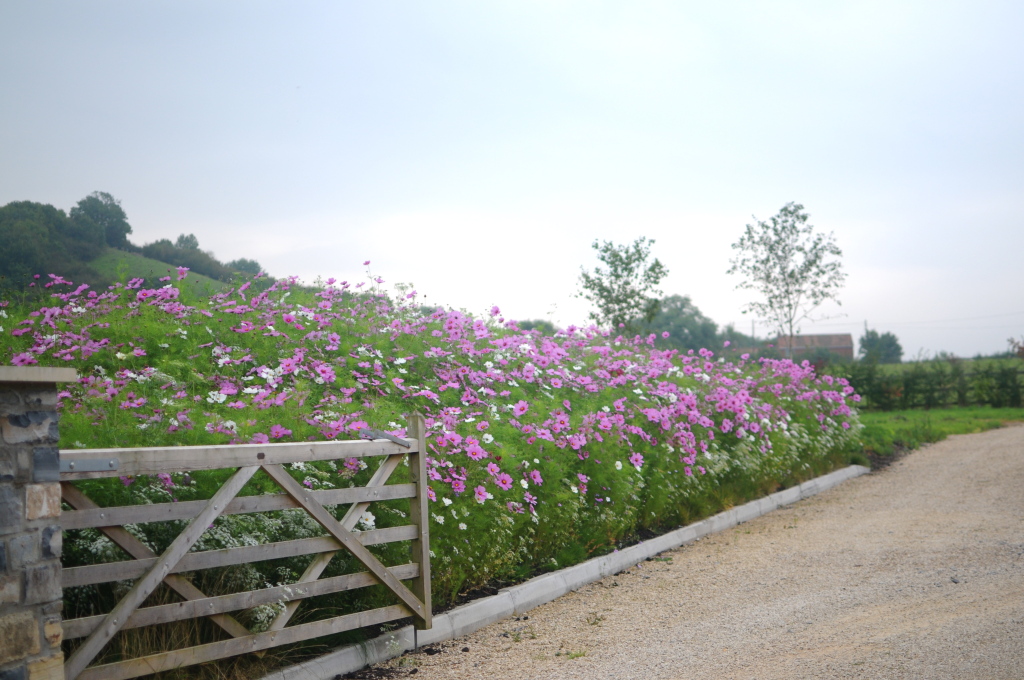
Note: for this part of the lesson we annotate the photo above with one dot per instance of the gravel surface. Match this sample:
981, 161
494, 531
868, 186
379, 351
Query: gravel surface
915, 571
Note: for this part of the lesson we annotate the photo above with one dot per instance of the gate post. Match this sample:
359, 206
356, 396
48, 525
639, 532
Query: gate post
30, 533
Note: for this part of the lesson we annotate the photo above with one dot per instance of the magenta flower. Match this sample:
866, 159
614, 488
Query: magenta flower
636, 460
458, 486
475, 452
259, 438
276, 431
504, 481
23, 359
481, 494
430, 494
520, 408
493, 469
182, 273
535, 477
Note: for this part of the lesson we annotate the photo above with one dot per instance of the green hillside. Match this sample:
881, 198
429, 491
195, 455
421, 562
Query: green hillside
118, 265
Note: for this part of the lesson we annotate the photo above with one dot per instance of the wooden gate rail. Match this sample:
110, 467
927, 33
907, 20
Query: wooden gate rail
150, 570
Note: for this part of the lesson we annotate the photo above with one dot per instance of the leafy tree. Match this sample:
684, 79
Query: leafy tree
789, 265
627, 290
187, 242
39, 239
881, 349
245, 266
687, 327
99, 212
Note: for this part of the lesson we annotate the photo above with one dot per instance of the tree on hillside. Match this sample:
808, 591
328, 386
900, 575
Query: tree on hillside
880, 349
687, 327
40, 239
544, 326
790, 265
626, 291
99, 212
245, 266
187, 242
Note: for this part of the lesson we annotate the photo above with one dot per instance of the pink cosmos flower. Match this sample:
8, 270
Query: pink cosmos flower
475, 452
520, 408
504, 481
259, 438
277, 431
182, 273
493, 469
481, 494
535, 477
636, 460
458, 486
23, 359
430, 494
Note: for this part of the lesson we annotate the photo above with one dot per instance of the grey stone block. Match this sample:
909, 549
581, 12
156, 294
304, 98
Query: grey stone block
387, 646
3, 557
439, 632
42, 583
18, 673
475, 615
577, 576
51, 541
747, 512
12, 509
526, 596
45, 464
791, 495
23, 550
40, 398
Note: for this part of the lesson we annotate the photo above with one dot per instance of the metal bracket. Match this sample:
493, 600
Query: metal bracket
91, 465
377, 434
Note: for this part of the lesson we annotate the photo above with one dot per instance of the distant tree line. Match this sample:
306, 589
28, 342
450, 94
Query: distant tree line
40, 239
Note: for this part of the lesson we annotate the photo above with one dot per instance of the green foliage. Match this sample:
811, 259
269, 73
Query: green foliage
118, 265
787, 263
186, 253
938, 383
625, 290
884, 433
101, 213
880, 349
542, 326
687, 327
245, 266
40, 239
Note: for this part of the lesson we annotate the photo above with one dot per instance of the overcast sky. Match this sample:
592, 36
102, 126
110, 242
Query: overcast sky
477, 149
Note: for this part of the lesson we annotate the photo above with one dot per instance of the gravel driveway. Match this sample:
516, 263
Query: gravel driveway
915, 571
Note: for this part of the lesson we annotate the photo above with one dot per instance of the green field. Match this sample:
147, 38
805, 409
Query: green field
118, 265
886, 432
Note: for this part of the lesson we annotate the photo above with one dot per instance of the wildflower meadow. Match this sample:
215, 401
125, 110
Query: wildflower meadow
543, 450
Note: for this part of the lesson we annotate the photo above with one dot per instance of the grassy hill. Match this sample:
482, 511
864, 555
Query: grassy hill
118, 265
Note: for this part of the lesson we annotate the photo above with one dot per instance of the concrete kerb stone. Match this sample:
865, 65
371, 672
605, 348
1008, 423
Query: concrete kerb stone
515, 601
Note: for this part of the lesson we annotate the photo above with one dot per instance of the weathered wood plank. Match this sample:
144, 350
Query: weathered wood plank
139, 550
150, 461
113, 621
166, 661
320, 562
210, 606
349, 540
419, 516
166, 512
226, 557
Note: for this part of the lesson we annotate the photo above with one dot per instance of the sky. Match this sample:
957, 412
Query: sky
477, 150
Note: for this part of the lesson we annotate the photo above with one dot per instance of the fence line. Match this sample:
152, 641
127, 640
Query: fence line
149, 569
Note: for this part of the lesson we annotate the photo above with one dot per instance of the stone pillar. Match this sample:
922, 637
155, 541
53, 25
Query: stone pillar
30, 533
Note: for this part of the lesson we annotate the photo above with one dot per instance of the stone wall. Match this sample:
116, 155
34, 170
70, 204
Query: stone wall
30, 534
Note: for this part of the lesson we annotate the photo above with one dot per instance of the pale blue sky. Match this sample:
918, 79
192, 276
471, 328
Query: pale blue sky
476, 149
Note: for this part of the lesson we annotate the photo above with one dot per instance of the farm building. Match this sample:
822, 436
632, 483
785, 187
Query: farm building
840, 344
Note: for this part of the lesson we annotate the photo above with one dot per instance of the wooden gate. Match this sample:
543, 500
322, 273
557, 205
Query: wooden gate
149, 570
